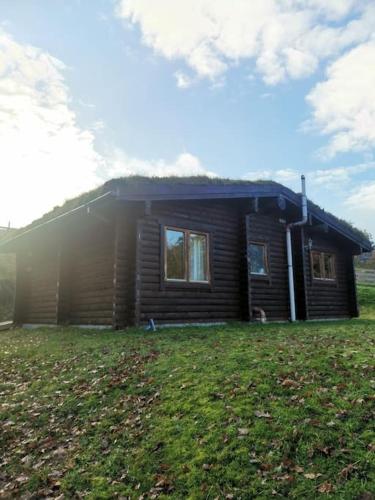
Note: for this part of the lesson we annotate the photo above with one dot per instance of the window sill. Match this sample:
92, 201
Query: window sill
262, 277
177, 285
327, 281
185, 285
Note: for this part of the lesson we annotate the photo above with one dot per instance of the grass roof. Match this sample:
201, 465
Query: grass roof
88, 196
135, 180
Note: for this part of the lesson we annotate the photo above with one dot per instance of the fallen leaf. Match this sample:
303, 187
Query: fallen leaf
298, 469
217, 395
243, 431
262, 414
60, 451
325, 450
289, 383
311, 475
325, 487
22, 478
27, 460
348, 470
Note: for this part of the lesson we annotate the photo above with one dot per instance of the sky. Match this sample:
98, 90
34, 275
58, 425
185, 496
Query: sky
260, 89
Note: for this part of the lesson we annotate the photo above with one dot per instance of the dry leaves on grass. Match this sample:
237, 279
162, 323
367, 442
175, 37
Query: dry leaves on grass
312, 475
243, 431
262, 414
48, 448
326, 487
290, 383
348, 471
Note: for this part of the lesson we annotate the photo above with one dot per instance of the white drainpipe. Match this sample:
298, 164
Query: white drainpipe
289, 228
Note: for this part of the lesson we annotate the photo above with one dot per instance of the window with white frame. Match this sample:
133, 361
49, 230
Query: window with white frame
258, 259
186, 255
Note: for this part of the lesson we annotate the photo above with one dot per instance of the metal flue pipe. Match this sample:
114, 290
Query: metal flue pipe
289, 227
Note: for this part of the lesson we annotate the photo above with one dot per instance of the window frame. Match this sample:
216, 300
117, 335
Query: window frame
322, 276
265, 259
186, 280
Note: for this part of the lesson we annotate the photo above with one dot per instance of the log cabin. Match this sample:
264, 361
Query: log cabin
178, 251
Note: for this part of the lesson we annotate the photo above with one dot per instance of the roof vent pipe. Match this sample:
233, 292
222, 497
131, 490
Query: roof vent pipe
289, 228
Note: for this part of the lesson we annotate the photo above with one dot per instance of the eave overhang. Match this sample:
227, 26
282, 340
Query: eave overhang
143, 191
150, 192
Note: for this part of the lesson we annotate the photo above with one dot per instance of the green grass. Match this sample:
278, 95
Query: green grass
366, 299
236, 411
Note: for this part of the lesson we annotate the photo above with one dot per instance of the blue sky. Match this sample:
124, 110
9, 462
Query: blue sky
263, 89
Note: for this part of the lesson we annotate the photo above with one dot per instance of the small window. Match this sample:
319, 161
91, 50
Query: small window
186, 256
175, 249
323, 266
258, 259
198, 257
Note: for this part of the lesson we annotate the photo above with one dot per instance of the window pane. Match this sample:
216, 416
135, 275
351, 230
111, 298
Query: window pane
258, 259
175, 249
329, 269
316, 265
198, 257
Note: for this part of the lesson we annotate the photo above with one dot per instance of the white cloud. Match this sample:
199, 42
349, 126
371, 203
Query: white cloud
287, 175
341, 190
285, 38
363, 198
332, 9
45, 156
184, 165
332, 179
344, 104
183, 80
361, 205
338, 177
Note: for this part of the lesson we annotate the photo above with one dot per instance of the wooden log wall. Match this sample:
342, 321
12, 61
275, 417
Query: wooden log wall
91, 287
174, 302
299, 267
63, 279
245, 284
270, 293
113, 273
40, 288
352, 287
21, 289
329, 299
124, 268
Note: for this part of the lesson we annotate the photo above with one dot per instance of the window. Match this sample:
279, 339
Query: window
186, 256
198, 257
323, 266
258, 259
175, 264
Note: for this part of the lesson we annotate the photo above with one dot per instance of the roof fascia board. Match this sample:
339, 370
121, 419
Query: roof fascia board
194, 192
189, 192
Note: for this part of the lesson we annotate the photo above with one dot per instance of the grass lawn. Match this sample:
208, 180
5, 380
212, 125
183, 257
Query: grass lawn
235, 411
